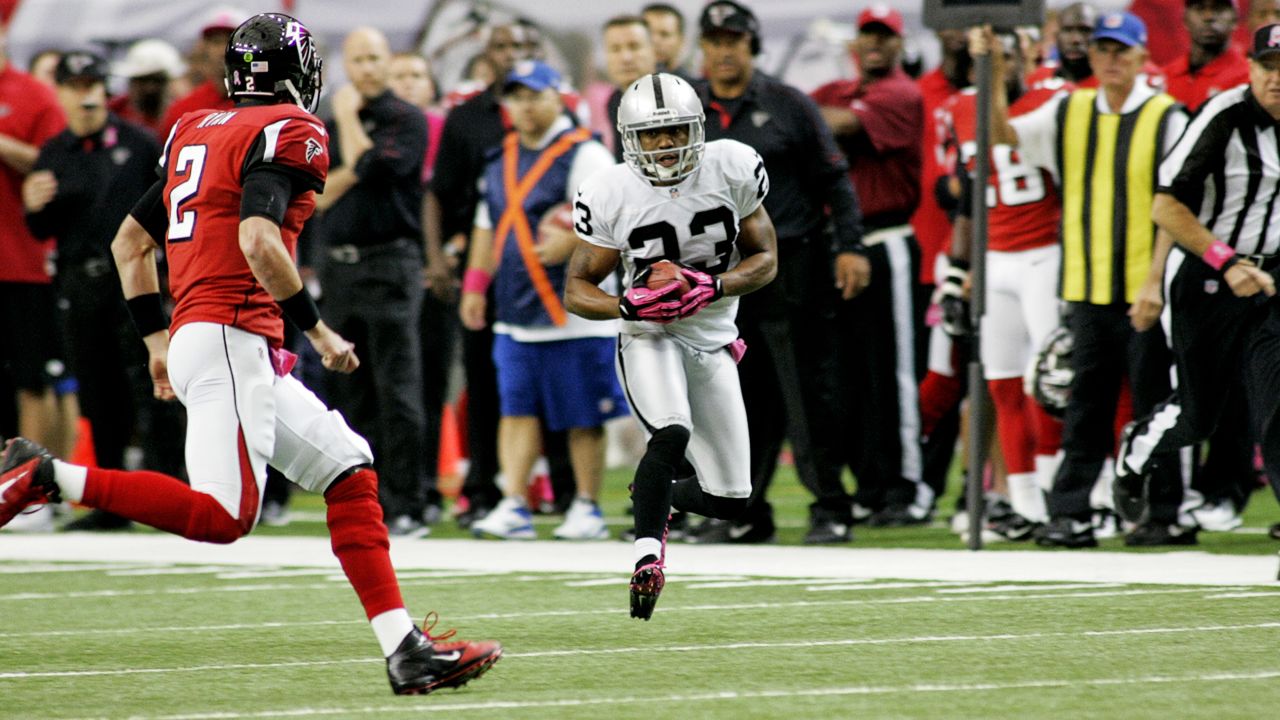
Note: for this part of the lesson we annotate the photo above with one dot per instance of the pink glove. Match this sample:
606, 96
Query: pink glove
704, 289
641, 303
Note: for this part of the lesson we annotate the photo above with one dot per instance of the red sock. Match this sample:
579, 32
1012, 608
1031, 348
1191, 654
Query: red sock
1048, 430
164, 503
938, 394
360, 541
1017, 437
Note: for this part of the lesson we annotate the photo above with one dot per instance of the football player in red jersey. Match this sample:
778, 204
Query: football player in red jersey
237, 186
1023, 260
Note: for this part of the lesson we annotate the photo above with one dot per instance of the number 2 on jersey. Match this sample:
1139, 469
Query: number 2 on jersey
190, 162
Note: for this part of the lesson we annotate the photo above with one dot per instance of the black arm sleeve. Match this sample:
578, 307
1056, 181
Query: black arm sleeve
150, 214
266, 194
846, 215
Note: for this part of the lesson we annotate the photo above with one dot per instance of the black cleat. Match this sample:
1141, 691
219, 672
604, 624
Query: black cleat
1065, 532
1012, 527
26, 478
423, 664
646, 586
900, 515
822, 532
1155, 534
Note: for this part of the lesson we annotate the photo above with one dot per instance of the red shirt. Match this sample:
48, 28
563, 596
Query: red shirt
204, 96
204, 164
884, 159
29, 113
1226, 71
1023, 203
931, 224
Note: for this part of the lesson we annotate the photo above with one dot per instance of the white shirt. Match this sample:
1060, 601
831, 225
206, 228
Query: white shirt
696, 219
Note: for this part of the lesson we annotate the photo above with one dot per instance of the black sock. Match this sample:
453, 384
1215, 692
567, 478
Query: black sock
651, 497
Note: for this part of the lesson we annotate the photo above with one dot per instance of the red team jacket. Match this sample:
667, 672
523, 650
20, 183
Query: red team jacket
1024, 209
205, 162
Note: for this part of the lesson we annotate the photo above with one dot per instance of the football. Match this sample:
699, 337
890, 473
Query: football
663, 273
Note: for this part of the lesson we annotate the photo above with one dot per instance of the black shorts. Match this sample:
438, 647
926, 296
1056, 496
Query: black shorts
32, 354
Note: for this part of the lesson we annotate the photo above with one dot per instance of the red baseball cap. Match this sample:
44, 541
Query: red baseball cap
881, 14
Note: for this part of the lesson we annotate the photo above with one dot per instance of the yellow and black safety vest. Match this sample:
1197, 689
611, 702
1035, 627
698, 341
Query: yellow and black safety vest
1108, 163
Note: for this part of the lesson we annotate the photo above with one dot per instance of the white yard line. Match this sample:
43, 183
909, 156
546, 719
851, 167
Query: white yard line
1182, 567
713, 647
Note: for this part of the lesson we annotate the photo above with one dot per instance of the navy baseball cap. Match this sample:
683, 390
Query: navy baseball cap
1125, 28
1266, 41
533, 74
80, 64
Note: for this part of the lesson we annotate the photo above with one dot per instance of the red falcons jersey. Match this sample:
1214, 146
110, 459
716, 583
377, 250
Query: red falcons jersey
1024, 209
205, 162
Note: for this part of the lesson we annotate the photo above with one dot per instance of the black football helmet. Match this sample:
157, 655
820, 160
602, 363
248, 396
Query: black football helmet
274, 56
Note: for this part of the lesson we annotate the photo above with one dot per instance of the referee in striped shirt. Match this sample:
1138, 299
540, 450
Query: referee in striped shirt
1217, 198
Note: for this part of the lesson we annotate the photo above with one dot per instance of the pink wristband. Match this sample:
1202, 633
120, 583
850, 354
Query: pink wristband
1218, 254
476, 281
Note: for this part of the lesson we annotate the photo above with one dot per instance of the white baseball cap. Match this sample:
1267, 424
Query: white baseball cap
150, 57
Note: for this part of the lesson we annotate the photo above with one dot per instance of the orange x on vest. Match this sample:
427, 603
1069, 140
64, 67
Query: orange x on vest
514, 217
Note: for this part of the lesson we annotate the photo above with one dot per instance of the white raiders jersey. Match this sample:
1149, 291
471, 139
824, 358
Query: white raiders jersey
694, 222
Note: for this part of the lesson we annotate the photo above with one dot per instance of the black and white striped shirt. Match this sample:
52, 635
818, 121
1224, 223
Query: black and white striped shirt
1226, 169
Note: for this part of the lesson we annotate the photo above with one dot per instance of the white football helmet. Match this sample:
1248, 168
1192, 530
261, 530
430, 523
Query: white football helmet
661, 100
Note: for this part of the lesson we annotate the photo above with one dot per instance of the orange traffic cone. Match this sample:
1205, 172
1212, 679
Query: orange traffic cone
450, 477
83, 453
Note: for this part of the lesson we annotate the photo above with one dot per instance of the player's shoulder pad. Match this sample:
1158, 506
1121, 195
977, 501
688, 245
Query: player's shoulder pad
605, 186
291, 137
736, 160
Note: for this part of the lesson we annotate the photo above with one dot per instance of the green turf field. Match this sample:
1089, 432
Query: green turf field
146, 626
155, 641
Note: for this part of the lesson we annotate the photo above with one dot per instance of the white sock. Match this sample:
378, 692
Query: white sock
1047, 470
648, 546
1026, 497
390, 628
70, 480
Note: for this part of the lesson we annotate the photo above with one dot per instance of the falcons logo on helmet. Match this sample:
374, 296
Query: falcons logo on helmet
314, 148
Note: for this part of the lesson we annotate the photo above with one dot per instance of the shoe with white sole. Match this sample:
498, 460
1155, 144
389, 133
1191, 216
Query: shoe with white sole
509, 520
584, 521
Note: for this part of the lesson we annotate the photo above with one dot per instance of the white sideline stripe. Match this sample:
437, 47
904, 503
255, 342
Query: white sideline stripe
719, 696
853, 564
577, 652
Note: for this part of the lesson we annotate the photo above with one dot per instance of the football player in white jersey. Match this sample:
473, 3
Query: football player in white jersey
699, 205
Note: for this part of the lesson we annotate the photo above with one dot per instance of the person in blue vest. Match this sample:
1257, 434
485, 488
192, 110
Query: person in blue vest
551, 365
